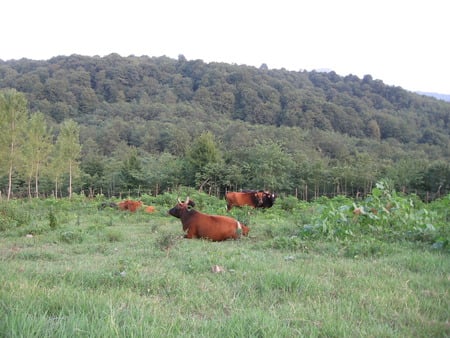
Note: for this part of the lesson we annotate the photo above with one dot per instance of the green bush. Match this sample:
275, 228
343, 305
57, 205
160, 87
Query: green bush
70, 237
13, 214
52, 221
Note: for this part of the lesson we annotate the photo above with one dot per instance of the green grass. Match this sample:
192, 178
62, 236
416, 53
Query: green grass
116, 274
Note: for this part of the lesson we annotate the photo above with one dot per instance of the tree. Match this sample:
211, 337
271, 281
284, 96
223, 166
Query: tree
202, 153
163, 171
373, 130
13, 115
68, 150
36, 149
93, 168
436, 180
131, 173
267, 167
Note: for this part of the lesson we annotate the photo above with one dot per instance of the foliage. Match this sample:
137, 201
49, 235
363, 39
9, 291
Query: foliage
304, 133
12, 215
384, 214
12, 125
68, 151
37, 148
52, 221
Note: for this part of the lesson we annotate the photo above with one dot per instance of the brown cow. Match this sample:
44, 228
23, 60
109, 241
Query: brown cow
251, 198
129, 205
200, 225
149, 209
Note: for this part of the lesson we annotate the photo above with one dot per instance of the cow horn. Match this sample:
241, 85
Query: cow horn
187, 200
179, 201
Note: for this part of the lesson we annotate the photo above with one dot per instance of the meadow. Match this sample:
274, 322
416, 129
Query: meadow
377, 267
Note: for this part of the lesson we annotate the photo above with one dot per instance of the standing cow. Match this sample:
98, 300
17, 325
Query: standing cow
251, 198
200, 225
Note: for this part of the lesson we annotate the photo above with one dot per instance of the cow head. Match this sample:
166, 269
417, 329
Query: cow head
181, 207
258, 198
268, 199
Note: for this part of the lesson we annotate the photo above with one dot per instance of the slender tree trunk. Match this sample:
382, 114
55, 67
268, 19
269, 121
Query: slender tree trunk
10, 181
29, 186
10, 171
36, 182
70, 179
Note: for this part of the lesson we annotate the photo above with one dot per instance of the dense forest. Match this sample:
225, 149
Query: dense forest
129, 125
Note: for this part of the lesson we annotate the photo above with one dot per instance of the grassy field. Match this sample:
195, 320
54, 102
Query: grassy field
69, 269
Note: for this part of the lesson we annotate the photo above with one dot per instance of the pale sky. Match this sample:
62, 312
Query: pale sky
401, 42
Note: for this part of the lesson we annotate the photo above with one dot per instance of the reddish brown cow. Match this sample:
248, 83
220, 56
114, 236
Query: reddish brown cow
252, 198
213, 227
149, 209
129, 205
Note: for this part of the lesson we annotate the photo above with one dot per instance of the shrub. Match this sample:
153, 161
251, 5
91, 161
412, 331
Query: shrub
52, 221
114, 236
71, 236
288, 203
13, 214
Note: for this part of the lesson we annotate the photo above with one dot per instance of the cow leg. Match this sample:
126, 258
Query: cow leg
190, 234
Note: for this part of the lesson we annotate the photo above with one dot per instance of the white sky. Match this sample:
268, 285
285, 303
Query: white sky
401, 42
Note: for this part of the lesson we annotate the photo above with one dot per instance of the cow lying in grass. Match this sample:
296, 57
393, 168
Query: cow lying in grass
200, 225
129, 205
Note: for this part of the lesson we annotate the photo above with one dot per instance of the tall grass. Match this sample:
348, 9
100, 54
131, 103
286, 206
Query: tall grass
107, 273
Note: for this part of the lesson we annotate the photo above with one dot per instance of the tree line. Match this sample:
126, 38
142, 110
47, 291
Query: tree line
142, 124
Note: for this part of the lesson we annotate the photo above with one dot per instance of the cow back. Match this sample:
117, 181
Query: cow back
213, 227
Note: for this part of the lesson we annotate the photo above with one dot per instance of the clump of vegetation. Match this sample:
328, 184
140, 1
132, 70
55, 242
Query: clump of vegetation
114, 236
383, 214
52, 221
70, 237
12, 215
166, 241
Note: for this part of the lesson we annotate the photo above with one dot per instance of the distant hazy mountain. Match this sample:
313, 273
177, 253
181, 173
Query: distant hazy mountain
444, 97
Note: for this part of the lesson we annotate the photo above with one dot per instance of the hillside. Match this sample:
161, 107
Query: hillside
161, 88
160, 105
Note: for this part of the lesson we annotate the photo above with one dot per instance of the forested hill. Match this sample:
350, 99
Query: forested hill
160, 105
85, 88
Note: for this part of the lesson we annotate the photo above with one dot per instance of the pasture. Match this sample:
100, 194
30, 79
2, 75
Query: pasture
315, 269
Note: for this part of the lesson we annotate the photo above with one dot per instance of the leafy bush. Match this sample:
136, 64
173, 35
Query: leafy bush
384, 214
114, 236
289, 203
52, 222
13, 214
70, 237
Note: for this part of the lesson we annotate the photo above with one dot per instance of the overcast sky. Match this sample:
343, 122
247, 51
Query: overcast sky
403, 43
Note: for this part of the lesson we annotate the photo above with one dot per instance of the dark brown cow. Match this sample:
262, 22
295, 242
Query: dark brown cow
213, 227
251, 198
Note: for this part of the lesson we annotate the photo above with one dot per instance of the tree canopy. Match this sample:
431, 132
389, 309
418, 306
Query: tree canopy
230, 126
